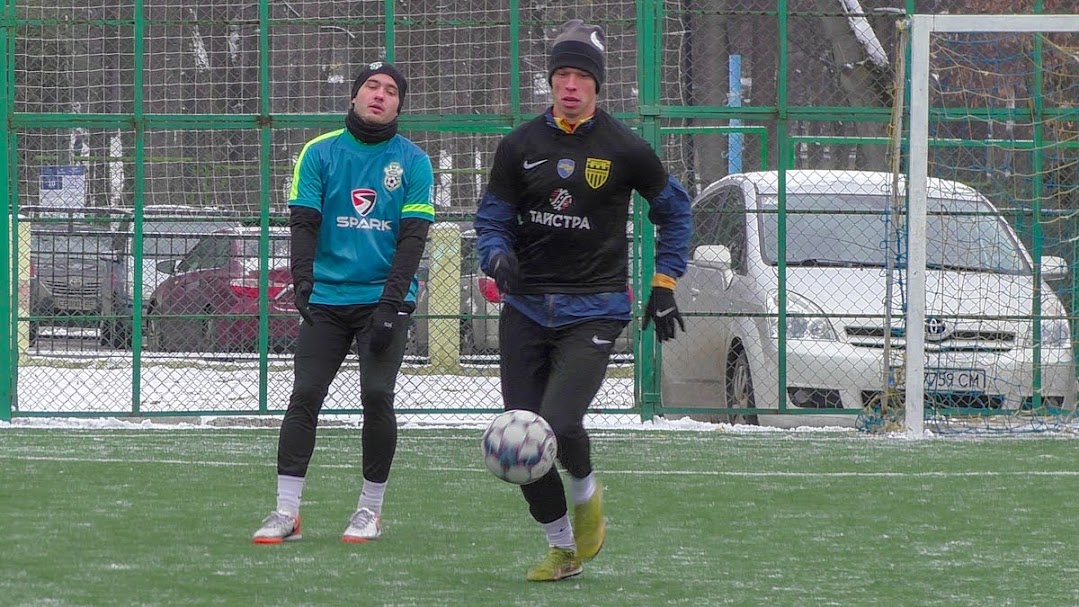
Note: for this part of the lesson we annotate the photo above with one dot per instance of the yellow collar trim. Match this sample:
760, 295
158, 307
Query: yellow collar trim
570, 127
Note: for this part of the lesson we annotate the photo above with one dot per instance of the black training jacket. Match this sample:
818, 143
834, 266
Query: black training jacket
571, 195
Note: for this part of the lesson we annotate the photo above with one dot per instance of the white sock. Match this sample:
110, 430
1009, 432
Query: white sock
581, 489
371, 496
289, 490
560, 533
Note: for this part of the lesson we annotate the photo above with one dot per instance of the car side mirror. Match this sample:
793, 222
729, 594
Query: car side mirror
717, 257
713, 256
1054, 268
166, 266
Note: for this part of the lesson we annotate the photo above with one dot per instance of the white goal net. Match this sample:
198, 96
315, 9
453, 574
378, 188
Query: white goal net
987, 337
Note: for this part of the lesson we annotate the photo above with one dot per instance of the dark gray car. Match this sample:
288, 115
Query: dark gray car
83, 262
76, 260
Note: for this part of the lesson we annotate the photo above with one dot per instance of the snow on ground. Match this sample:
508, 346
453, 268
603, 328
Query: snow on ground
95, 391
595, 422
177, 388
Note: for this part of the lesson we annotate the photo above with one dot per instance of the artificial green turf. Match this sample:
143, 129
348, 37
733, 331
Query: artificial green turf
164, 517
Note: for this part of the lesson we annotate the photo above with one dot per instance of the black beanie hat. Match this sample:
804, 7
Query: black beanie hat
383, 67
580, 45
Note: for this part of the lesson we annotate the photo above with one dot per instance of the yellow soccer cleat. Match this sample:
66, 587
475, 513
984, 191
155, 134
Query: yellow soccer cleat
589, 525
557, 565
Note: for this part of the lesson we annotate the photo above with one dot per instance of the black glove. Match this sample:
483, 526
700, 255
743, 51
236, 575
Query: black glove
504, 271
302, 290
663, 310
383, 324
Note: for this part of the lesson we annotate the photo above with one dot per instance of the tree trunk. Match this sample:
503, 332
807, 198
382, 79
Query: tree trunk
706, 69
861, 86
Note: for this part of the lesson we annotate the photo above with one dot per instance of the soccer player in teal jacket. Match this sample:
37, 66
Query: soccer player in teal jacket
360, 211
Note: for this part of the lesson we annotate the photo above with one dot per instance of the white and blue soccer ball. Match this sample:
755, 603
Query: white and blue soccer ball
519, 447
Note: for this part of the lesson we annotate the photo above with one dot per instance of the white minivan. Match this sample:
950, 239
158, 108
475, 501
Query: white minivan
979, 339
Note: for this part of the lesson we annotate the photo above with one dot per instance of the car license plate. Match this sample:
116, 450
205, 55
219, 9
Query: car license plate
955, 380
73, 303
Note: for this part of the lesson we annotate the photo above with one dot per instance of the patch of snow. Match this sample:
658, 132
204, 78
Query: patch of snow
864, 33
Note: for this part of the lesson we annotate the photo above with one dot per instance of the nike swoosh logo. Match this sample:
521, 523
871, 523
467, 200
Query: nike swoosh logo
663, 313
531, 165
600, 342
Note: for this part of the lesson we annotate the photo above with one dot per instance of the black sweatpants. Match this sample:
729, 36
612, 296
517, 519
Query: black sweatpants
320, 350
555, 372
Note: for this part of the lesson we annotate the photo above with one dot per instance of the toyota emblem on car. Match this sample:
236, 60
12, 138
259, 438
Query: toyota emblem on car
935, 328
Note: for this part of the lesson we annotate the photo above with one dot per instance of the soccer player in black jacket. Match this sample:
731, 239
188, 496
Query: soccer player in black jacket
552, 233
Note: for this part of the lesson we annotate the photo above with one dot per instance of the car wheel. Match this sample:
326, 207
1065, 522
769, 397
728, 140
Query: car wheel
280, 345
155, 335
208, 334
151, 331
740, 389
413, 347
159, 338
114, 335
468, 338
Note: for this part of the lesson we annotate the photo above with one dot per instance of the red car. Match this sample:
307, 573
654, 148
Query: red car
210, 300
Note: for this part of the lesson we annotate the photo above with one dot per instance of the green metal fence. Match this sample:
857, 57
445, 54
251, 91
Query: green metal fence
175, 114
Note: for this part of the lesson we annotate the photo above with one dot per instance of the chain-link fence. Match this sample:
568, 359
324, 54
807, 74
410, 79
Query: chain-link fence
152, 144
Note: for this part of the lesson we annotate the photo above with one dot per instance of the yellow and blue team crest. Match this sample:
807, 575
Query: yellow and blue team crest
596, 171
565, 167
392, 180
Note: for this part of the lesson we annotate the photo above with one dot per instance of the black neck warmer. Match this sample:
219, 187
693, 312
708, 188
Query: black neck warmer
369, 132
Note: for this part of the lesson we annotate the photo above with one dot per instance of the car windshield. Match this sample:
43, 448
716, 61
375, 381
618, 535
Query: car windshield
168, 246
46, 243
172, 240
851, 230
279, 247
